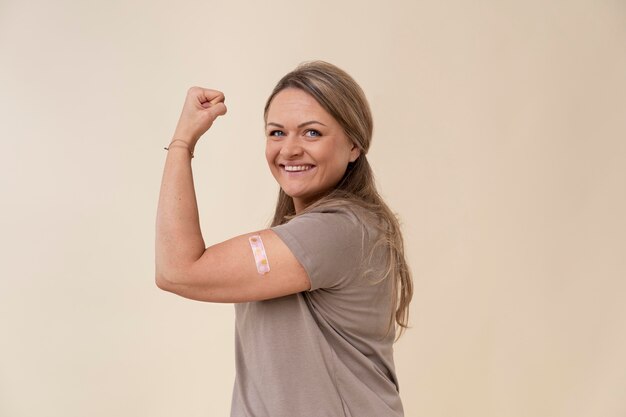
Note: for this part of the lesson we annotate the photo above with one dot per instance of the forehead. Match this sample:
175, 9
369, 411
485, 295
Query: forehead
293, 103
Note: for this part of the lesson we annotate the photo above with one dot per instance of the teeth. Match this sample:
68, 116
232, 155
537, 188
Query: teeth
296, 168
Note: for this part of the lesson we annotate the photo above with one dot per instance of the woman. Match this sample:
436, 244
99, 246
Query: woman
318, 295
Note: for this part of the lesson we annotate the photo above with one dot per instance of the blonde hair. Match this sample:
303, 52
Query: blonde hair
342, 98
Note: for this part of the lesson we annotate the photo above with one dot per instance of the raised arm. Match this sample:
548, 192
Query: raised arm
225, 272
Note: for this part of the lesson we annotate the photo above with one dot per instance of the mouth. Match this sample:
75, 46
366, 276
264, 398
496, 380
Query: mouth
294, 169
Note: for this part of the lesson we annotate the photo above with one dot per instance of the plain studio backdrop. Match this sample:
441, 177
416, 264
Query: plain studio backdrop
500, 141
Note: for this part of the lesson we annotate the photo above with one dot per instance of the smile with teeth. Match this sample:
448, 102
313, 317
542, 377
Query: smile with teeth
297, 168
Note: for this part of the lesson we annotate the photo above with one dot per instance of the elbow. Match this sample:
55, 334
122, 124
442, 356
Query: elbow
162, 282
172, 280
166, 279
180, 284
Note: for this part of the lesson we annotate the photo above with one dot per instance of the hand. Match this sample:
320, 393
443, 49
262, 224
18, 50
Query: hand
202, 106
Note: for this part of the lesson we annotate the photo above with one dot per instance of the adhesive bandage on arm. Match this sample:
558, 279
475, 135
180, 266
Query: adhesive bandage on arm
260, 257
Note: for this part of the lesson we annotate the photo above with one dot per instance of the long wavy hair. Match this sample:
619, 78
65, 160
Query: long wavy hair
340, 95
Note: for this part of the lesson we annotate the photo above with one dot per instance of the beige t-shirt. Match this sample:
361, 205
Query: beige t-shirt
323, 352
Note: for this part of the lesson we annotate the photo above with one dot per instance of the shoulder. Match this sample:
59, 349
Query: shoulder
332, 243
336, 219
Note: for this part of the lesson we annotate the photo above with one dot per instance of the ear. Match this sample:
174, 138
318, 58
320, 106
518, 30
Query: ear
355, 152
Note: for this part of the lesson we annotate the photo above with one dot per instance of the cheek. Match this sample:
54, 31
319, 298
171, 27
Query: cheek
336, 159
271, 152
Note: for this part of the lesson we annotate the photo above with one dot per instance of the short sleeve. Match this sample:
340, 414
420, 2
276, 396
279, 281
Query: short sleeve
329, 244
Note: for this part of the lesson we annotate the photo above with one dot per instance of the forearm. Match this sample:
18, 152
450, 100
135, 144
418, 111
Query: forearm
179, 239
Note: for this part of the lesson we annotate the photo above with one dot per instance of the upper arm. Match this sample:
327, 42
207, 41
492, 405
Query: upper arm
227, 272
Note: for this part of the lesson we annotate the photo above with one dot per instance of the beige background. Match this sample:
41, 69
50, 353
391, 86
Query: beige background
500, 141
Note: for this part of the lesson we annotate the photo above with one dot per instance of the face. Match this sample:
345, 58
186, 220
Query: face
306, 149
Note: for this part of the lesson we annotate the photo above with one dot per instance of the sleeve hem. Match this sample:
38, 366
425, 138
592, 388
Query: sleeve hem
298, 252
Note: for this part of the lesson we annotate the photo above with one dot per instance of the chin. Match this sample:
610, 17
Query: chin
295, 193
307, 198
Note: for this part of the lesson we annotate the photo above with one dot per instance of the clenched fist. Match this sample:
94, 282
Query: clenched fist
202, 106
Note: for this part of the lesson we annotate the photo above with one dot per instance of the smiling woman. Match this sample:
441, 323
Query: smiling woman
320, 295
307, 150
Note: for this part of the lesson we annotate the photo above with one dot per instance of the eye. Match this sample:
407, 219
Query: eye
276, 133
312, 133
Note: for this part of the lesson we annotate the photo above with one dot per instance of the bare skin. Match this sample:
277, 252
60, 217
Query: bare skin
226, 272
307, 150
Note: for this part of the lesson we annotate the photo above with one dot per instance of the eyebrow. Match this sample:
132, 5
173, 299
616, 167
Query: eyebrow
299, 126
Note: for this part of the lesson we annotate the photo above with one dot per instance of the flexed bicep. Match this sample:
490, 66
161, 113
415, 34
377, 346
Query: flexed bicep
251, 267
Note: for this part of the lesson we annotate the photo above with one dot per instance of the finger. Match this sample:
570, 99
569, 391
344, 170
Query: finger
218, 109
219, 98
209, 104
211, 96
216, 100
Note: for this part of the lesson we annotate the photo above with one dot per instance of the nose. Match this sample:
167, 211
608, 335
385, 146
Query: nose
291, 148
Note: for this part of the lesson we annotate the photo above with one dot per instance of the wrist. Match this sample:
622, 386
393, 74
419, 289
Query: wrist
186, 135
180, 143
